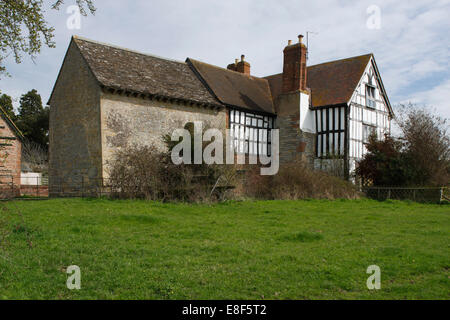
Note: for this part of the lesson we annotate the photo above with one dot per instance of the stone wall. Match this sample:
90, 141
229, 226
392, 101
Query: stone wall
75, 146
295, 144
130, 121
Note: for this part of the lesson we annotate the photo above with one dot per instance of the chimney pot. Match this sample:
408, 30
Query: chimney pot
300, 38
289, 42
242, 57
236, 61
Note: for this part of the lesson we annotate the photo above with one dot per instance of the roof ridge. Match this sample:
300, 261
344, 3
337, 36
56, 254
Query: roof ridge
323, 63
225, 69
340, 60
11, 123
273, 75
125, 49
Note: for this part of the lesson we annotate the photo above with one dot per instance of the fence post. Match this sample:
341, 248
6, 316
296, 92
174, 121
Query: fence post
389, 194
441, 198
37, 187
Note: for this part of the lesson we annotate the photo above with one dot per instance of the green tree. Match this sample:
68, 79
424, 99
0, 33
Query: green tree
7, 106
33, 118
385, 163
23, 28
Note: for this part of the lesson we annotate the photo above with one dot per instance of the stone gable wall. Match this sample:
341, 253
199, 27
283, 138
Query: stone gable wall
75, 148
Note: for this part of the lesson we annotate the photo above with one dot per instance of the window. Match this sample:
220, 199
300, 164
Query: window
370, 96
367, 131
251, 132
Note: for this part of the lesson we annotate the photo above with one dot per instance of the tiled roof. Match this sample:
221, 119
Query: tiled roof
235, 88
124, 69
331, 83
11, 124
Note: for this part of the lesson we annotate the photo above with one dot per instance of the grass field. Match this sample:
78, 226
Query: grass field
237, 250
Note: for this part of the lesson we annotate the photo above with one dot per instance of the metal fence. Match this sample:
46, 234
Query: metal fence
8, 187
82, 187
420, 194
78, 187
11, 187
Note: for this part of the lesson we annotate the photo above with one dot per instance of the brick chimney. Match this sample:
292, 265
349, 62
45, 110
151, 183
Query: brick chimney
233, 66
243, 66
240, 66
294, 68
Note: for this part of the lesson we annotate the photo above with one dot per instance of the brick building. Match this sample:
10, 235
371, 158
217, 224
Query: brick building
10, 155
107, 97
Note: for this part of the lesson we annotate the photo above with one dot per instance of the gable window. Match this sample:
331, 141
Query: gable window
251, 133
370, 96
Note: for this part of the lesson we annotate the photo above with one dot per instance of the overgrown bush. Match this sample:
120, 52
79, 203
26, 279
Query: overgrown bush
385, 163
147, 173
144, 172
296, 181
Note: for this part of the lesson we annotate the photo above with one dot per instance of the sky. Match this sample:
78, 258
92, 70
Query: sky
410, 39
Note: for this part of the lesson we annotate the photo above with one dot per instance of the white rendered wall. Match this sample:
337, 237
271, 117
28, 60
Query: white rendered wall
360, 116
307, 116
31, 179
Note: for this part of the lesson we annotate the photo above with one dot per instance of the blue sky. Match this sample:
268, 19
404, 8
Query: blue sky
411, 46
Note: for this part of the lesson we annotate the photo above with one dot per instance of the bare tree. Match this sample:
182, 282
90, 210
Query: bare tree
427, 143
35, 156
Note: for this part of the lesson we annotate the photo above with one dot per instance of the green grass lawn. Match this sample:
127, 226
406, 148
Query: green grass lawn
237, 250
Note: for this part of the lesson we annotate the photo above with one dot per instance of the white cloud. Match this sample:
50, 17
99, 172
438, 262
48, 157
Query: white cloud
437, 97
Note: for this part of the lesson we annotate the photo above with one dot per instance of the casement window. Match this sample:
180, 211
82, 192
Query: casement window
251, 132
367, 131
370, 96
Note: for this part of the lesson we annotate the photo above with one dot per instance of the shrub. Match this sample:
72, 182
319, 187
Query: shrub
385, 163
296, 181
147, 173
144, 172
